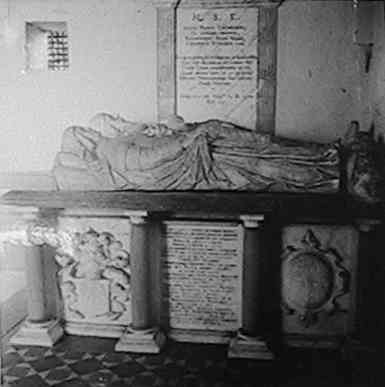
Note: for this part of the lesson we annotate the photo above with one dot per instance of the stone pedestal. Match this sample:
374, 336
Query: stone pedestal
140, 336
39, 328
249, 342
44, 334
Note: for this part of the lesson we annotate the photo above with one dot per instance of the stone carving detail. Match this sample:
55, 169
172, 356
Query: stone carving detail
211, 155
313, 280
37, 231
94, 275
95, 278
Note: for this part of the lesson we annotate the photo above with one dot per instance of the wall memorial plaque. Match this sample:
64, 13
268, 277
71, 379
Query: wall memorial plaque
201, 274
217, 64
217, 59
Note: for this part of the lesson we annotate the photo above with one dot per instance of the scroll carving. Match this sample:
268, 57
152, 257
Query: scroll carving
94, 275
95, 278
314, 278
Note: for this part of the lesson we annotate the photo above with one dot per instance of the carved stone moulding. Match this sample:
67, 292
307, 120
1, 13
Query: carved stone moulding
94, 274
214, 3
227, 3
318, 281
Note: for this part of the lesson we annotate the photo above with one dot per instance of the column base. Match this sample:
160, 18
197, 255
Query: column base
199, 336
40, 334
141, 341
248, 347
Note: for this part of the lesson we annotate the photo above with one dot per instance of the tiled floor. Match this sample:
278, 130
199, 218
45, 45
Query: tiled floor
81, 362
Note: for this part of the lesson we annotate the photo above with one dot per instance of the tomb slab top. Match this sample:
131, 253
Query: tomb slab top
333, 206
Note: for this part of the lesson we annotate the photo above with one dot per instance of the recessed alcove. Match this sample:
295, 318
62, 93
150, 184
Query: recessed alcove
46, 46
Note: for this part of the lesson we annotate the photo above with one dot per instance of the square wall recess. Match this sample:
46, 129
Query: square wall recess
46, 46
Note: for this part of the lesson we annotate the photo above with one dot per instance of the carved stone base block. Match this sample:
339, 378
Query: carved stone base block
199, 336
43, 334
97, 330
141, 341
301, 341
247, 347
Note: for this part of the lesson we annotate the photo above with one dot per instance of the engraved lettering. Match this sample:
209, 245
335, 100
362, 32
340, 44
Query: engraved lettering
202, 275
217, 65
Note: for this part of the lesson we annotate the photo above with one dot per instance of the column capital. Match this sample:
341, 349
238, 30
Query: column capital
33, 227
252, 221
138, 217
366, 224
164, 3
199, 4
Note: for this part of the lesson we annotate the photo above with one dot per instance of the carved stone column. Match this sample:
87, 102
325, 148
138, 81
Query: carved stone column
39, 328
248, 343
140, 336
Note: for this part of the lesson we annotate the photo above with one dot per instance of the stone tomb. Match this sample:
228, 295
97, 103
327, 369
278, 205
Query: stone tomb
137, 265
140, 275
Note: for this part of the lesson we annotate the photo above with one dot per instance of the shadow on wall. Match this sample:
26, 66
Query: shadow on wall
13, 304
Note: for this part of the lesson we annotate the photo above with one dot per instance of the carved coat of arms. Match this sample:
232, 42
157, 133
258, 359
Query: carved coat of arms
95, 278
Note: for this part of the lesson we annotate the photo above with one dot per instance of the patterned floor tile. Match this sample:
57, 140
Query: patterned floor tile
73, 383
88, 362
79, 343
31, 353
126, 370
71, 356
11, 358
58, 374
46, 363
30, 381
113, 359
19, 371
86, 366
100, 378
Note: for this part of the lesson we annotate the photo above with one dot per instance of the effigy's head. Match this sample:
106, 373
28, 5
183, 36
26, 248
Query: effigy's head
113, 125
364, 164
175, 122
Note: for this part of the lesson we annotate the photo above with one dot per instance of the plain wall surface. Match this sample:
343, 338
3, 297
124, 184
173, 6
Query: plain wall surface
376, 82
113, 69
319, 70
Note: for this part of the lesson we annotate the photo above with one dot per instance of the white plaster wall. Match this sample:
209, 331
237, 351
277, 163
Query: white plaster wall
318, 70
112, 68
376, 83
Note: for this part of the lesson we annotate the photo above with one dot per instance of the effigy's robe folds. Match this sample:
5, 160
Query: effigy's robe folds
115, 154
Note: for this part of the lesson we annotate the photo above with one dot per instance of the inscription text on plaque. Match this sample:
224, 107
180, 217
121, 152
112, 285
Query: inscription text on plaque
217, 64
201, 271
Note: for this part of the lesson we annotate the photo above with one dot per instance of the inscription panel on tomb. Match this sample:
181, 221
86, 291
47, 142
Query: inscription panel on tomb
201, 274
217, 64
